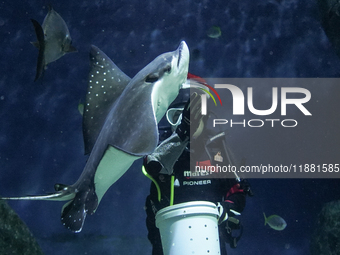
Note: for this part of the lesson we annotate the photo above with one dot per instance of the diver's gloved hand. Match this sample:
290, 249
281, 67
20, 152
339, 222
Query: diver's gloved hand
245, 185
191, 117
226, 209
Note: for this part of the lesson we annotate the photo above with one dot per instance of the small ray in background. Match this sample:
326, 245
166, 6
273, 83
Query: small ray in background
53, 40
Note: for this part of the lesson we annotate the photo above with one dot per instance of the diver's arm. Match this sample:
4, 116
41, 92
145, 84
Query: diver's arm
168, 152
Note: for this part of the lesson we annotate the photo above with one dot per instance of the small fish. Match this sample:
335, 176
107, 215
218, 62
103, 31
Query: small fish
275, 222
81, 108
53, 40
214, 32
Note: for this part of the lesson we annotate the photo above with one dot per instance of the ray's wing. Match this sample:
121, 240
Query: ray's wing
58, 40
106, 84
41, 46
133, 120
54, 26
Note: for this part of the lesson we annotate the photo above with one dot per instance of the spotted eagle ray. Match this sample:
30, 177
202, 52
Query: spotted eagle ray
119, 126
53, 40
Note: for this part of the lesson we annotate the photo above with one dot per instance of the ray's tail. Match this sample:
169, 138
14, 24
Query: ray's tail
74, 212
63, 193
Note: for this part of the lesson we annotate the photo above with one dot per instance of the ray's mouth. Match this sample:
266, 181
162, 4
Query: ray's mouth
180, 52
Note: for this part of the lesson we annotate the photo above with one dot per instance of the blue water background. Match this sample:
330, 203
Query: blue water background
40, 130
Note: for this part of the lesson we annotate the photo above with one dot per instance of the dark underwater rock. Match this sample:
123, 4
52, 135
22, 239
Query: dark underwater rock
15, 237
330, 20
326, 237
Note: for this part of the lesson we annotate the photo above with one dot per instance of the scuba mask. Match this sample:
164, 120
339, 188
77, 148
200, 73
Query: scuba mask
174, 117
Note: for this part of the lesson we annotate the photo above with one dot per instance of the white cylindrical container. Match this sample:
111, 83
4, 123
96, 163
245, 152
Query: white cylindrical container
189, 228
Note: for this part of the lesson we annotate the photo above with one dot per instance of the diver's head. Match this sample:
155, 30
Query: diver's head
173, 115
174, 112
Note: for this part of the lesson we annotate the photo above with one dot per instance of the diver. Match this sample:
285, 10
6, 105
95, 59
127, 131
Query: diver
169, 167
